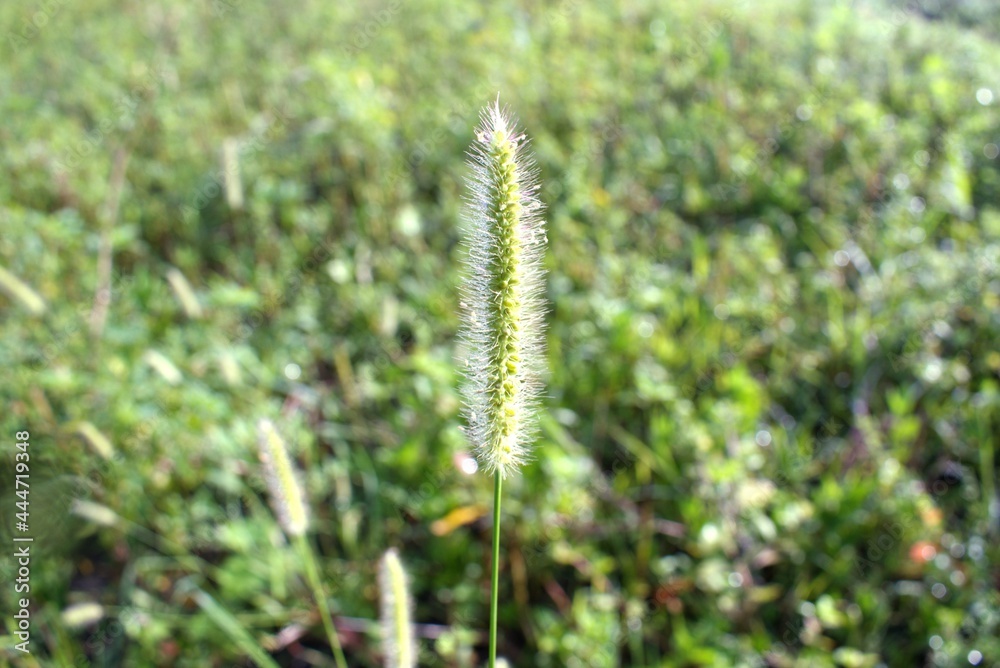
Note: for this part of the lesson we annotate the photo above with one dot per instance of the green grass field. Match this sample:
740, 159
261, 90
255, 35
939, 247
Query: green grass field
769, 429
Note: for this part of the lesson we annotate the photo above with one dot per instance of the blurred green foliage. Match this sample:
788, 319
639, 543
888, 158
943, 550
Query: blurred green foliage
770, 428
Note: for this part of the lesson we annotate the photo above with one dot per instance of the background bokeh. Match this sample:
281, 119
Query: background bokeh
770, 426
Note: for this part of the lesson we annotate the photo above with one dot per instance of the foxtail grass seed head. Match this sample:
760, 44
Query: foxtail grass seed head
502, 297
282, 481
400, 646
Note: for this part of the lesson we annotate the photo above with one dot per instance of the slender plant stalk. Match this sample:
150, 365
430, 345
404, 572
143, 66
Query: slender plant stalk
289, 504
102, 295
316, 585
495, 595
502, 308
229, 624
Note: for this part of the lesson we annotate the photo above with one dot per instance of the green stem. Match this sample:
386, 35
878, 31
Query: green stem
986, 465
312, 573
495, 595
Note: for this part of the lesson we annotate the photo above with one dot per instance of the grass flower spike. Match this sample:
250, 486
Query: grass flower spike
282, 481
289, 503
502, 299
397, 629
503, 309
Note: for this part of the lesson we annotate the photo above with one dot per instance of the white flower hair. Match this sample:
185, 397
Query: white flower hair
502, 303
